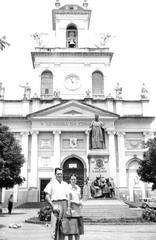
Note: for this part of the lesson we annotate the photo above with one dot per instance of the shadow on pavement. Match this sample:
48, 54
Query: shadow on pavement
12, 214
2, 226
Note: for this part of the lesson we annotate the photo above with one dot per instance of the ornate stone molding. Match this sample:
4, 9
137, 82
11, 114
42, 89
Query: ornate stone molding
24, 133
111, 131
120, 133
56, 132
87, 132
34, 132
147, 134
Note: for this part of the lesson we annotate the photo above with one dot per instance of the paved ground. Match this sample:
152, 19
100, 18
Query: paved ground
92, 232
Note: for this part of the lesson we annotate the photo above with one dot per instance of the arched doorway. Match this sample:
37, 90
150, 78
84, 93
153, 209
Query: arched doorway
136, 186
73, 165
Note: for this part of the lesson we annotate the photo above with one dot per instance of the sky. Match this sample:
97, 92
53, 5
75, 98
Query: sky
131, 24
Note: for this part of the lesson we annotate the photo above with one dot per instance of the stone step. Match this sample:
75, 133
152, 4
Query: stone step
115, 209
100, 210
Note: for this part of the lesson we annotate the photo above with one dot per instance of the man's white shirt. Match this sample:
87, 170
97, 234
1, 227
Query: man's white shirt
56, 190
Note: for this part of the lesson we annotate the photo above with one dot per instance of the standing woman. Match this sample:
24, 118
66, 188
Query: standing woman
10, 204
74, 206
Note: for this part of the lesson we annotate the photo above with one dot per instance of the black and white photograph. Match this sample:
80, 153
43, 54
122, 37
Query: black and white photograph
77, 120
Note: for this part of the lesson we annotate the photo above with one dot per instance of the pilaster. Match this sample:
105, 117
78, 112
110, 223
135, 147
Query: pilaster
57, 148
87, 150
15, 193
146, 110
119, 107
35, 104
32, 181
25, 153
110, 106
25, 107
1, 107
112, 157
121, 156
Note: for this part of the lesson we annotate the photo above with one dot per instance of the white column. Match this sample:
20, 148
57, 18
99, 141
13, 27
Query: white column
87, 151
25, 153
147, 135
122, 166
112, 157
3, 195
57, 148
32, 181
15, 193
87, 141
1, 107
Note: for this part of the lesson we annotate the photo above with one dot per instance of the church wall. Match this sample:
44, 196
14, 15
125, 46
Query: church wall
135, 124
45, 149
56, 135
23, 108
74, 142
82, 34
132, 107
102, 105
16, 125
12, 108
129, 146
60, 40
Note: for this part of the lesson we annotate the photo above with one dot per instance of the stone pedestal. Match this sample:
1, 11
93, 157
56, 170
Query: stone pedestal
33, 195
98, 164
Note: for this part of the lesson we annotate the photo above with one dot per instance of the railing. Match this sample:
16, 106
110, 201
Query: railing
98, 96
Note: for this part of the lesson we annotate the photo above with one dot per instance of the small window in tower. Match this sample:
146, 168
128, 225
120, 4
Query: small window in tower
72, 36
46, 91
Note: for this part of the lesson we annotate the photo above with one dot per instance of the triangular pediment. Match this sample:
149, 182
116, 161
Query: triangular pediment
73, 112
73, 109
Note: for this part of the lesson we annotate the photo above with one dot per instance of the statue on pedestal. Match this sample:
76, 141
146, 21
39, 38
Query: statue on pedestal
118, 90
2, 90
88, 94
144, 92
97, 134
56, 94
27, 91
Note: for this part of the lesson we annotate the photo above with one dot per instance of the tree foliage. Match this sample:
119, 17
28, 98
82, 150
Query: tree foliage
11, 159
3, 43
147, 168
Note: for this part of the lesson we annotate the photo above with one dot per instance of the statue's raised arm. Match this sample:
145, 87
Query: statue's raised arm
27, 91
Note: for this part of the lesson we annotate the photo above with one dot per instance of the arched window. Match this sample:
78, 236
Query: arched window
71, 36
97, 84
46, 84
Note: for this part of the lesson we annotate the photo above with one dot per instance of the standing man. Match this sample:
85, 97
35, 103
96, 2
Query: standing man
57, 196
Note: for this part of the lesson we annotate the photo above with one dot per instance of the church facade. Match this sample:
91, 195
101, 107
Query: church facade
53, 127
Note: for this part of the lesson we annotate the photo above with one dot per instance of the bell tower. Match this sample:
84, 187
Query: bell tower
69, 23
72, 68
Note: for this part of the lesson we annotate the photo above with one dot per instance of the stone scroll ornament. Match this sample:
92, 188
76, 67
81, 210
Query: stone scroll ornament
73, 142
97, 134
